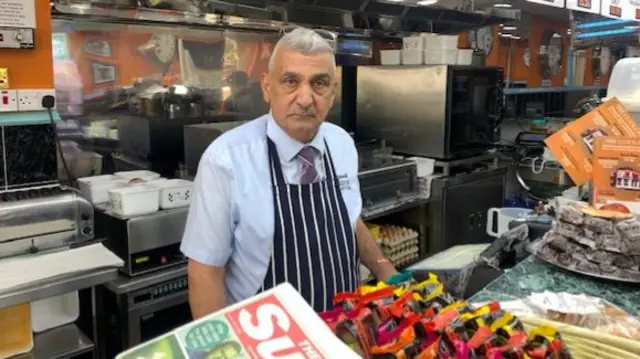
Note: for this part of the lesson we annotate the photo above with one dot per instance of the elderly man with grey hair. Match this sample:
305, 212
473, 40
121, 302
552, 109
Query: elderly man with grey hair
277, 199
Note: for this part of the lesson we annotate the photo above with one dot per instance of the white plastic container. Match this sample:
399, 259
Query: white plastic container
440, 57
54, 312
426, 166
412, 57
142, 175
390, 57
413, 43
135, 200
174, 193
440, 42
465, 56
96, 188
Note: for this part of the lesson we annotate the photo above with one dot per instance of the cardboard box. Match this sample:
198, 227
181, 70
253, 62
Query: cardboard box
616, 172
572, 146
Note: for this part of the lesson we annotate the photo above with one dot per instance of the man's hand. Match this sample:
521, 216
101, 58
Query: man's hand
206, 289
370, 253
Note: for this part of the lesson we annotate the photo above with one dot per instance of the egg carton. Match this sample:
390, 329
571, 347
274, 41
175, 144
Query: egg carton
397, 241
401, 256
389, 252
405, 260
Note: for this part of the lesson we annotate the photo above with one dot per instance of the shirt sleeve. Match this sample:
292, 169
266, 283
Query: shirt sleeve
208, 234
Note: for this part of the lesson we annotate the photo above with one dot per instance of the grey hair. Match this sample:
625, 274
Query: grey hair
305, 41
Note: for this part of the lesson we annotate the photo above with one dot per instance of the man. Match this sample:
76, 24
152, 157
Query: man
277, 199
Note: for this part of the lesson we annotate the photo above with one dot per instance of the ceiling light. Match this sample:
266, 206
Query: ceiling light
427, 2
632, 27
509, 28
503, 5
515, 37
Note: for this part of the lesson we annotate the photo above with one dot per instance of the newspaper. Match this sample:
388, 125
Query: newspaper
274, 324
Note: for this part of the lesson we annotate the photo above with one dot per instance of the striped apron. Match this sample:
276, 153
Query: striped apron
314, 247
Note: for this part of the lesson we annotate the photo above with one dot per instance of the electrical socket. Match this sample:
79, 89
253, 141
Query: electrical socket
31, 99
8, 100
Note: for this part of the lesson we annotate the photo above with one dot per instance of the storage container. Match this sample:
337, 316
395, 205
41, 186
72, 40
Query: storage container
413, 43
54, 312
440, 42
390, 57
426, 166
174, 193
440, 57
465, 57
142, 175
135, 200
16, 336
96, 188
412, 57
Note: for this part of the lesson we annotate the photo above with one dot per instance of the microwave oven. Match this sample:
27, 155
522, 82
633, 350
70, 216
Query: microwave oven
444, 112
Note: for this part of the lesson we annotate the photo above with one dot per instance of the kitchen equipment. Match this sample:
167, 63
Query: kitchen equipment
499, 218
133, 175
17, 337
135, 200
146, 243
174, 193
134, 310
199, 136
55, 311
41, 219
440, 111
458, 207
96, 188
538, 224
390, 180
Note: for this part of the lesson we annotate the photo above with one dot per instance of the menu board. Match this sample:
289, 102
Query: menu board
620, 9
554, 3
592, 6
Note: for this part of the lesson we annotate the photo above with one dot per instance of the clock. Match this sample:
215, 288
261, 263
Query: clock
161, 48
482, 40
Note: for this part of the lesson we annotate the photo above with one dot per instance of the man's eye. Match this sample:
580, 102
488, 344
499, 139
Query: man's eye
320, 84
291, 82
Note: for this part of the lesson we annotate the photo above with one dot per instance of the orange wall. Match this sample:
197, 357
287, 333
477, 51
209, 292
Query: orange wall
535, 37
32, 68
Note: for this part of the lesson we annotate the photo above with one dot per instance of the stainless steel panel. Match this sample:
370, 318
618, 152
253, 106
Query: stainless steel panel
198, 137
404, 105
156, 230
458, 207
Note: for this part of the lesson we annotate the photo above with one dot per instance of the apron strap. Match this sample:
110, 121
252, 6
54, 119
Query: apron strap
275, 168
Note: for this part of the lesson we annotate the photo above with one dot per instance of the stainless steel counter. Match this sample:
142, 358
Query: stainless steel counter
57, 286
68, 340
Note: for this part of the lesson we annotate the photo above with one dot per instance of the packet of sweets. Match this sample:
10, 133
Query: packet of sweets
545, 343
358, 333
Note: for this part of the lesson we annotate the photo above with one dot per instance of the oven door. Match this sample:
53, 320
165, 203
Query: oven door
476, 108
158, 317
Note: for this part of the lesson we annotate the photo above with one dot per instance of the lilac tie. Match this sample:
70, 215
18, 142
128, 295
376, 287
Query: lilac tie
307, 159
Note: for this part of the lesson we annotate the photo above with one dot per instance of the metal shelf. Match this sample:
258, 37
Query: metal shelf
56, 286
63, 342
522, 91
384, 209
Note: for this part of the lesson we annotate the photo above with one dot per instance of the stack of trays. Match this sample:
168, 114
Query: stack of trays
399, 244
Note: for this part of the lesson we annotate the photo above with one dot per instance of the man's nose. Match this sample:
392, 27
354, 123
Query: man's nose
304, 97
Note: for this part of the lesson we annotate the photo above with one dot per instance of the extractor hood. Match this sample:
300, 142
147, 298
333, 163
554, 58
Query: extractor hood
370, 18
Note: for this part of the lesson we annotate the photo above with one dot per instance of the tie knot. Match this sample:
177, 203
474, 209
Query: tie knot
308, 154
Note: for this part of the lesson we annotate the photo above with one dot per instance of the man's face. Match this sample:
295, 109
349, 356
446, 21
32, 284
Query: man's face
300, 90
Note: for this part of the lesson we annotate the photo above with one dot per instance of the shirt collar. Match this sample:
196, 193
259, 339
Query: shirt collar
288, 147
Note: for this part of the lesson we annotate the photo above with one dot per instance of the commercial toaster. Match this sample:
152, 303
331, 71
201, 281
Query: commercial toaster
42, 219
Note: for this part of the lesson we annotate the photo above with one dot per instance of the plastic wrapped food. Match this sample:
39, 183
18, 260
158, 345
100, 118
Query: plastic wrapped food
602, 257
598, 225
612, 243
570, 214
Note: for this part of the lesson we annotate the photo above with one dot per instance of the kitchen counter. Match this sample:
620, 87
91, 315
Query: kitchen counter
533, 275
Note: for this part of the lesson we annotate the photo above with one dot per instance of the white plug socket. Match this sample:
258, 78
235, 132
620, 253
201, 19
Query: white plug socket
31, 99
8, 100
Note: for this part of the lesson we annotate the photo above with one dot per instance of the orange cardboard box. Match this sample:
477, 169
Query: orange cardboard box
616, 171
572, 146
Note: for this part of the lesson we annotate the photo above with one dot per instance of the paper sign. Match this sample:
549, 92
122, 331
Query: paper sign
572, 146
592, 6
554, 3
619, 9
616, 170
18, 13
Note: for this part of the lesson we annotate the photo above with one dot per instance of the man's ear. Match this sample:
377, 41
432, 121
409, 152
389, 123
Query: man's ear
266, 87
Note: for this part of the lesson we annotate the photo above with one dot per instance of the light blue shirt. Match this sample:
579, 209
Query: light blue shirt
231, 218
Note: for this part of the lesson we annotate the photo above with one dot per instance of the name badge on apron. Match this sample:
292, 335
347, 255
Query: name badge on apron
345, 183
